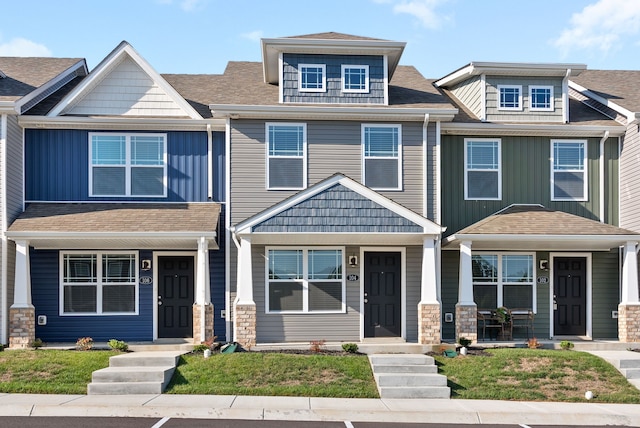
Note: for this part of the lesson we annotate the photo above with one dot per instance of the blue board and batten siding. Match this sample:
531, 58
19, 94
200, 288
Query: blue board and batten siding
57, 166
333, 93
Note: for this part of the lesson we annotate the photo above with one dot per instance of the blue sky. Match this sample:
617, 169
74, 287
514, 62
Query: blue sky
200, 36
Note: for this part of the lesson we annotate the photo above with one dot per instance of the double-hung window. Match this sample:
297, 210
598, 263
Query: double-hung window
510, 97
305, 280
128, 165
312, 77
286, 155
382, 154
355, 78
98, 283
482, 169
568, 170
540, 98
503, 280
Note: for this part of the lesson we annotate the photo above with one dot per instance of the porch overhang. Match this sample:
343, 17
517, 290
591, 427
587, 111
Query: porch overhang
527, 242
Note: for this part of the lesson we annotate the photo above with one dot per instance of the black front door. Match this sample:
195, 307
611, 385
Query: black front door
570, 296
382, 294
175, 296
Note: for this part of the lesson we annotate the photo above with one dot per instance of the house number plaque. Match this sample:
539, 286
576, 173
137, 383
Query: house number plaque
543, 280
352, 277
146, 280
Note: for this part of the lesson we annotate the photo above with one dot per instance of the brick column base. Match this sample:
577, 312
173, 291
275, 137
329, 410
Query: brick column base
208, 323
245, 325
428, 324
22, 327
467, 322
629, 322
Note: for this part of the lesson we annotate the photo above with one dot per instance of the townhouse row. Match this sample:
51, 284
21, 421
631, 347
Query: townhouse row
326, 192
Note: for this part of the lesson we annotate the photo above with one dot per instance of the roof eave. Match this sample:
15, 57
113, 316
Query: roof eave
538, 242
133, 123
531, 129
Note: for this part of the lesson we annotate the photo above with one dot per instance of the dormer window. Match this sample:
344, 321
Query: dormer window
541, 98
312, 78
355, 78
510, 97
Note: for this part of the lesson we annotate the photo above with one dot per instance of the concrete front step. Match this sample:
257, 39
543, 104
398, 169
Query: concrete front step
408, 376
125, 388
146, 359
133, 374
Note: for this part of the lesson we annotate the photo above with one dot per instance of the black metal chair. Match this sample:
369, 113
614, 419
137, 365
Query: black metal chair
522, 318
487, 320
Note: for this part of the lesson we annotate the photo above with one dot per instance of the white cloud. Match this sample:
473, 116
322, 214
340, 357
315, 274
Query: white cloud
254, 36
603, 26
186, 5
23, 47
423, 10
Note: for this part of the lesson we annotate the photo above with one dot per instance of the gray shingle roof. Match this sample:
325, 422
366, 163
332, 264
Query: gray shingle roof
25, 75
116, 217
619, 86
330, 35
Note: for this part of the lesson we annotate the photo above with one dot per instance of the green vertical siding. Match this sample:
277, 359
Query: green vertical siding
525, 180
605, 294
449, 290
543, 298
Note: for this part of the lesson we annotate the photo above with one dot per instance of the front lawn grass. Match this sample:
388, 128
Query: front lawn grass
535, 375
258, 373
48, 371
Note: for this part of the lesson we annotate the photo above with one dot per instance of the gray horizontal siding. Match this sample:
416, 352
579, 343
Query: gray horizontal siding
492, 102
14, 169
630, 180
413, 290
469, 92
333, 94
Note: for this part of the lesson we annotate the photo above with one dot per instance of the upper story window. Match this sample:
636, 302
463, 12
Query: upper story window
482, 169
286, 155
127, 164
382, 154
305, 280
355, 78
568, 170
98, 283
510, 97
541, 98
312, 78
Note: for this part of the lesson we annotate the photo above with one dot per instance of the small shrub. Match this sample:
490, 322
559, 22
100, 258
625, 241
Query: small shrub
84, 344
37, 343
533, 343
317, 345
463, 341
566, 345
118, 345
351, 348
200, 348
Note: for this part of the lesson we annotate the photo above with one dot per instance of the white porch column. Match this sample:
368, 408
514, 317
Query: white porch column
465, 285
202, 308
201, 271
22, 292
244, 313
630, 274
429, 306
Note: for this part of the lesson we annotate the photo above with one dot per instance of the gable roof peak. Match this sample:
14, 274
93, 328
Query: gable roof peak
331, 35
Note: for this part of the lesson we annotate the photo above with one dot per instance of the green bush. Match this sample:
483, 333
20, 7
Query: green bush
118, 345
37, 343
351, 348
199, 349
566, 345
84, 344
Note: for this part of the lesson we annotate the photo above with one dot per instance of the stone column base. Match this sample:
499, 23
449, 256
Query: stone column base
245, 324
429, 323
208, 323
22, 327
467, 322
629, 322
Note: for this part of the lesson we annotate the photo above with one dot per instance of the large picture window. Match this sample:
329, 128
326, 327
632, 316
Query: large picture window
482, 174
127, 164
568, 170
305, 280
503, 280
382, 154
286, 155
98, 284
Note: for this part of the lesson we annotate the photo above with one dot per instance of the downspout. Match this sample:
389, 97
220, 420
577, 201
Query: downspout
565, 96
425, 169
227, 227
601, 178
3, 224
209, 162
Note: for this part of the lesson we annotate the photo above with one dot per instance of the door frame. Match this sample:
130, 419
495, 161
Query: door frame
403, 286
589, 303
156, 255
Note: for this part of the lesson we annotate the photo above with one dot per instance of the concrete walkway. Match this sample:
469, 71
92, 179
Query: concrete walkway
321, 409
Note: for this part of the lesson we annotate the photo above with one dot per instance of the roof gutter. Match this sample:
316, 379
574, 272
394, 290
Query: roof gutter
529, 129
133, 123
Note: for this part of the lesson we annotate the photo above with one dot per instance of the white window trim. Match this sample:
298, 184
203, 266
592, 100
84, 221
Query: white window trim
304, 154
585, 171
304, 281
324, 77
127, 165
366, 79
519, 88
551, 99
501, 283
398, 158
98, 285
466, 170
